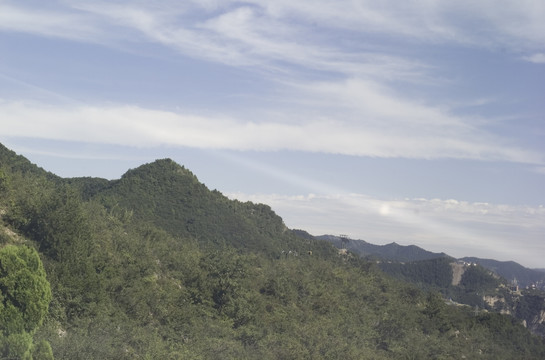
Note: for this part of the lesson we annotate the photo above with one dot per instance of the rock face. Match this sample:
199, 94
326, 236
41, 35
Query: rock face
538, 319
536, 325
457, 272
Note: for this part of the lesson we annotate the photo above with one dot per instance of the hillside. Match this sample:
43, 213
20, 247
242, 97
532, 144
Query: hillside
511, 271
475, 286
388, 252
172, 198
156, 266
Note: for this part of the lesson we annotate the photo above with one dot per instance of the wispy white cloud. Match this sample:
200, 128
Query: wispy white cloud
387, 124
141, 127
43, 21
458, 228
270, 32
356, 111
483, 23
250, 36
84, 152
536, 58
506, 23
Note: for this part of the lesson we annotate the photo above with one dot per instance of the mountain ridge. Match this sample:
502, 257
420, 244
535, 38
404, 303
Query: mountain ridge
510, 270
172, 198
390, 252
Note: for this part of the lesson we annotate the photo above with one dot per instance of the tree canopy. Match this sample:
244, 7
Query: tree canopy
24, 299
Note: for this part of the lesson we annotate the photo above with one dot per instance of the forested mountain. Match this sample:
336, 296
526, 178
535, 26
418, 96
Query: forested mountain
156, 266
388, 252
512, 272
471, 284
501, 286
170, 197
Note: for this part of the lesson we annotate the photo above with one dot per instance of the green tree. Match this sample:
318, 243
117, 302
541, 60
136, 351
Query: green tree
42, 351
24, 299
3, 181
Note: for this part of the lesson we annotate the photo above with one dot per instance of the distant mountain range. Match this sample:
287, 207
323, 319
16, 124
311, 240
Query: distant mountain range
480, 283
509, 270
390, 252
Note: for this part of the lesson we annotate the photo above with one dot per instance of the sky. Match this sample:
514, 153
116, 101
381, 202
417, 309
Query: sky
417, 122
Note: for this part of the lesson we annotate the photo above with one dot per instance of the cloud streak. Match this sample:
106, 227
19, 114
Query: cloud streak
140, 127
59, 23
536, 58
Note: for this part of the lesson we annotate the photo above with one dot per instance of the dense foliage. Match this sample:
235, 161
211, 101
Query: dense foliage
24, 300
156, 266
512, 271
478, 287
427, 273
170, 197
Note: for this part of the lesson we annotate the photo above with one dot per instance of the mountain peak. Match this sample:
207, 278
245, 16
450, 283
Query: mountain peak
161, 169
9, 159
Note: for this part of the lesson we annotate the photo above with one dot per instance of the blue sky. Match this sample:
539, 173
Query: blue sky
421, 123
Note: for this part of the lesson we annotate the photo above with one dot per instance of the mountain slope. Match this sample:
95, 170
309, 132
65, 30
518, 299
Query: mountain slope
476, 286
10, 162
171, 198
389, 252
511, 270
